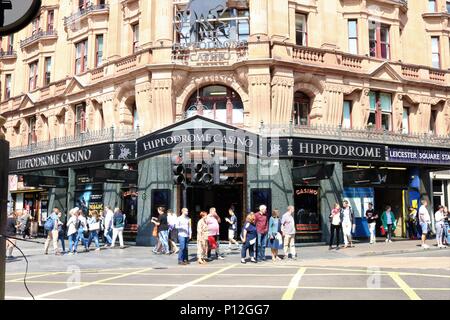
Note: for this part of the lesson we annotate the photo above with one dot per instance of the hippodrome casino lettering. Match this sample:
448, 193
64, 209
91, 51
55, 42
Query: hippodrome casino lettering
340, 150
197, 138
55, 159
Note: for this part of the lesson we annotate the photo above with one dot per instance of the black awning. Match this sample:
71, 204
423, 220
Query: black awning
316, 172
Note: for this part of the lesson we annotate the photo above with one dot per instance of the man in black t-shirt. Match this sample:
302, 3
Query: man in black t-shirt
11, 230
163, 230
372, 221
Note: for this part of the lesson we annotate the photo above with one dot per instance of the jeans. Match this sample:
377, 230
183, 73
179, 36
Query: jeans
289, 244
372, 227
80, 236
251, 249
347, 230
183, 254
93, 235
335, 230
389, 232
440, 232
117, 232
262, 243
164, 239
446, 235
61, 238
73, 242
108, 236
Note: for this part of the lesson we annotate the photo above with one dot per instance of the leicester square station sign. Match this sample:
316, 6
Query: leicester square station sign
17, 14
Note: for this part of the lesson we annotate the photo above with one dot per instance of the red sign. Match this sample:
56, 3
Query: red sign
311, 191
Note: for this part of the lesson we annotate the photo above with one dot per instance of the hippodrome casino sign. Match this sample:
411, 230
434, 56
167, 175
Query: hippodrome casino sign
17, 14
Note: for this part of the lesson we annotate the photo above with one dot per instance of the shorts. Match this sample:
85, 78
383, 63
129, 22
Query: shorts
231, 234
424, 227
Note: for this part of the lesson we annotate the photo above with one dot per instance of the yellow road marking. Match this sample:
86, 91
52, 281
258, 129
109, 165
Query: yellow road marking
91, 283
191, 283
404, 286
293, 285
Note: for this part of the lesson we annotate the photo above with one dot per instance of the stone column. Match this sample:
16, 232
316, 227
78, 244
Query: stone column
441, 119
110, 110
53, 126
282, 97
423, 117
259, 46
279, 31
361, 110
259, 94
143, 103
333, 105
90, 115
4, 160
162, 106
114, 38
163, 28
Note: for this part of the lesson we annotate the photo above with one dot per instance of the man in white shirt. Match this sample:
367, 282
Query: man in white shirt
288, 230
424, 220
108, 225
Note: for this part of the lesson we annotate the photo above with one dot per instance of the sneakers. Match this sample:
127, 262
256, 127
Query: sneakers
98, 249
220, 258
253, 260
243, 261
70, 253
425, 246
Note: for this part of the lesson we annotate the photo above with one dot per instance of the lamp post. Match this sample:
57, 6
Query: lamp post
4, 164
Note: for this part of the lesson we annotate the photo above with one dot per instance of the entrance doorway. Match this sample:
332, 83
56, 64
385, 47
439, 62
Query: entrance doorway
393, 197
201, 198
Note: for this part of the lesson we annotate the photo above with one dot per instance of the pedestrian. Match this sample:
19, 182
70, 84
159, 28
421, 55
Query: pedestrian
83, 231
232, 229
61, 232
412, 223
439, 221
94, 229
249, 239
202, 238
348, 221
51, 226
163, 230
108, 226
275, 238
25, 222
72, 231
184, 235
11, 231
389, 223
262, 227
117, 227
288, 232
173, 237
372, 218
446, 227
424, 221
335, 225
213, 221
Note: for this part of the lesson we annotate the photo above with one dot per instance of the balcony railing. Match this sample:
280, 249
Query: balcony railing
85, 11
8, 54
87, 138
37, 36
358, 135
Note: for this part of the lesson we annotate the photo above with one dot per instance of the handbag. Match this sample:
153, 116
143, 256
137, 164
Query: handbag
94, 226
212, 242
155, 231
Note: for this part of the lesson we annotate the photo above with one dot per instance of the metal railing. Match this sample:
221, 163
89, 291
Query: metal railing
358, 134
85, 11
38, 35
8, 54
106, 135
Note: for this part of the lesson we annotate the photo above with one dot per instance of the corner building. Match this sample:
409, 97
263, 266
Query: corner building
347, 98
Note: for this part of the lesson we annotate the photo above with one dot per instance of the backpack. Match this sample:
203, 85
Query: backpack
49, 224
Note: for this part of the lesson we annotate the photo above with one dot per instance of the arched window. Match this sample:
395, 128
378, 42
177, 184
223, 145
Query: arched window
135, 117
301, 109
218, 103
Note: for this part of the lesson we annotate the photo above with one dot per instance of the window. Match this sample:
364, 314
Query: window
7, 86
135, 117
81, 58
135, 37
405, 121
32, 138
50, 20
301, 110
433, 119
10, 44
98, 50
379, 40
435, 52
347, 115
33, 76
48, 71
35, 25
432, 6
80, 116
83, 4
448, 6
353, 36
301, 34
380, 111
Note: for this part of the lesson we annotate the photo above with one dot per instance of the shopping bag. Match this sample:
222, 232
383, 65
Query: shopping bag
212, 242
155, 231
383, 231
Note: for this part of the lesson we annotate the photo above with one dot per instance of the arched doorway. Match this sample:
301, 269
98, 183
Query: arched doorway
301, 109
216, 102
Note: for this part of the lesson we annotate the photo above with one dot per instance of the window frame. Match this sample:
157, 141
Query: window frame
356, 38
83, 56
350, 104
378, 42
438, 53
406, 110
98, 56
435, 7
8, 76
378, 111
304, 32
32, 137
47, 71
33, 75
298, 104
50, 20
80, 119
136, 36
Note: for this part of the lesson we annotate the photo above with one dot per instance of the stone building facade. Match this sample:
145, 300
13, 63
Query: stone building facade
132, 67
